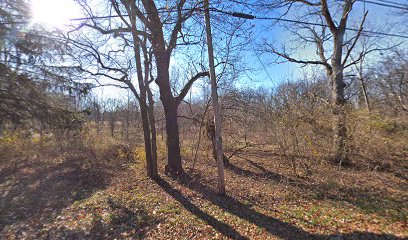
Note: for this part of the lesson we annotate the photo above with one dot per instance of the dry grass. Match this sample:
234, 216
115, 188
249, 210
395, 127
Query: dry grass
87, 193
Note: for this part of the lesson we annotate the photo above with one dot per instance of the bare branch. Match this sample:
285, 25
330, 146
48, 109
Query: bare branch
319, 44
346, 11
328, 17
355, 39
187, 87
290, 59
313, 4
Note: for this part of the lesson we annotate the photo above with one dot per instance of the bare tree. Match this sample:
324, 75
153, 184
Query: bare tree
390, 77
334, 63
162, 51
117, 64
147, 16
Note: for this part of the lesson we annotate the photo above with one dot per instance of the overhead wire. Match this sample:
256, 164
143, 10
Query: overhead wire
251, 17
388, 4
242, 16
395, 3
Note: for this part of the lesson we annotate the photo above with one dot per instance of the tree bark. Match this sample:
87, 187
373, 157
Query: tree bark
150, 107
146, 135
162, 51
150, 164
364, 92
153, 131
338, 101
174, 164
170, 107
339, 152
216, 108
210, 129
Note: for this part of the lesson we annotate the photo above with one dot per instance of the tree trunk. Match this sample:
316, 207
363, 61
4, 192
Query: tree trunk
112, 124
364, 93
210, 129
174, 165
128, 118
146, 135
339, 116
150, 108
150, 165
162, 51
216, 108
152, 122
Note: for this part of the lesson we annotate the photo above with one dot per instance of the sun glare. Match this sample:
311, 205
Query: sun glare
53, 13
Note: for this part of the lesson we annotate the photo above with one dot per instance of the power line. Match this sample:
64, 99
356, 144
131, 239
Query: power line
395, 3
384, 3
388, 4
249, 16
237, 15
103, 17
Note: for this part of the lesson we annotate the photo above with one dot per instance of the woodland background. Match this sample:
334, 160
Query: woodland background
319, 156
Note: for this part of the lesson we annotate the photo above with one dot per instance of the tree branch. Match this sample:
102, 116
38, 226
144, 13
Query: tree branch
360, 29
328, 17
187, 87
313, 4
290, 59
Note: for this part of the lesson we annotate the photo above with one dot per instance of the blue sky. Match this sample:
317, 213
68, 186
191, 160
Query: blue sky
379, 18
267, 73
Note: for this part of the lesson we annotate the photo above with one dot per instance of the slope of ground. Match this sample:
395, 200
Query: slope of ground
77, 195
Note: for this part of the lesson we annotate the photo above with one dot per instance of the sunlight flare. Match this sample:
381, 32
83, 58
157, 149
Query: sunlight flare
53, 13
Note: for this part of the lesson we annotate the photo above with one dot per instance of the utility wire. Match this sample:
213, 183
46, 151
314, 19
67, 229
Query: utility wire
104, 17
243, 16
384, 3
388, 4
395, 3
251, 17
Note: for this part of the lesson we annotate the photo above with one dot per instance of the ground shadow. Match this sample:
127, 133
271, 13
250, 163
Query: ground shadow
125, 224
222, 227
233, 206
362, 236
36, 191
360, 198
263, 175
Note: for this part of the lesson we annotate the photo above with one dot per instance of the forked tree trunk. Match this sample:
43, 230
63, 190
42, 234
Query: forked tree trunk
162, 51
150, 165
174, 164
150, 108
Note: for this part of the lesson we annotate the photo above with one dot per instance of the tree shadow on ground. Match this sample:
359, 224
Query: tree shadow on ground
37, 190
274, 226
125, 223
364, 199
263, 175
220, 226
